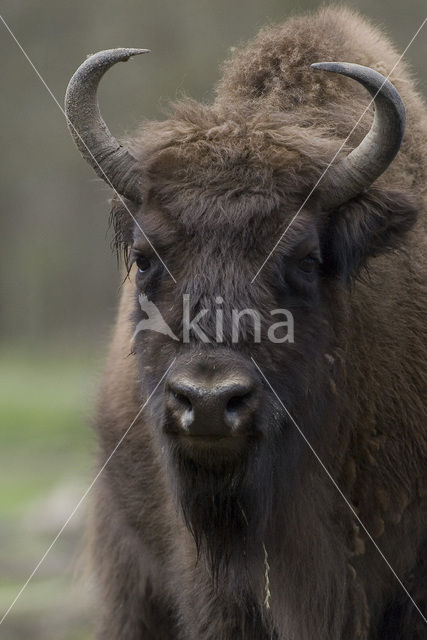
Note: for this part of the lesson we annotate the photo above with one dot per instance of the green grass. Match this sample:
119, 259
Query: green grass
45, 442
44, 424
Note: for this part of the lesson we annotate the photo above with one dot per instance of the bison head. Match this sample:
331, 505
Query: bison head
208, 206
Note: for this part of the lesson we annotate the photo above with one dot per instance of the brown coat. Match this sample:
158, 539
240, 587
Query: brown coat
220, 182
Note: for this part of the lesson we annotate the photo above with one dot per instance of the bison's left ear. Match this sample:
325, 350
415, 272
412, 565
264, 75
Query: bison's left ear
367, 226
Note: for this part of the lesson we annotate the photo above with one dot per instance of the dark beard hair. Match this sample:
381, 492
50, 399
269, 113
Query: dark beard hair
226, 508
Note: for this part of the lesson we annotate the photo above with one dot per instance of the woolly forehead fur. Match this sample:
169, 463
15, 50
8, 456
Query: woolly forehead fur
229, 169
269, 134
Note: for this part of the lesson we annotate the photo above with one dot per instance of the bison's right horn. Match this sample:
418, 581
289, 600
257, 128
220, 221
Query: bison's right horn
111, 161
370, 159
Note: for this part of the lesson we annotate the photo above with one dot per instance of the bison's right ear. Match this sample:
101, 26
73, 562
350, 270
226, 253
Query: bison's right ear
364, 227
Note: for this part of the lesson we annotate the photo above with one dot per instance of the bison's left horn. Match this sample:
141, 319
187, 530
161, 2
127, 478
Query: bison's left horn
111, 161
371, 158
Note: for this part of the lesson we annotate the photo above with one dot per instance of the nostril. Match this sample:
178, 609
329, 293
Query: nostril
180, 409
182, 400
237, 403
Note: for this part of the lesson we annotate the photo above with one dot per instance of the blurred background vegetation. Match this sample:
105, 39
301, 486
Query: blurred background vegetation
58, 277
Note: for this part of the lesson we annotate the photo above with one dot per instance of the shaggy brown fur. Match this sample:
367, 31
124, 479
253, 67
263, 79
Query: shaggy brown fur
266, 547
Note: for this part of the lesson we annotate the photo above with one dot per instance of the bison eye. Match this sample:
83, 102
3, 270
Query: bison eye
308, 264
142, 263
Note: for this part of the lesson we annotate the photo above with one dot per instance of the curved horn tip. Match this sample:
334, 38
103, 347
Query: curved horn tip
378, 85
110, 160
378, 148
372, 80
118, 54
349, 69
129, 52
326, 66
